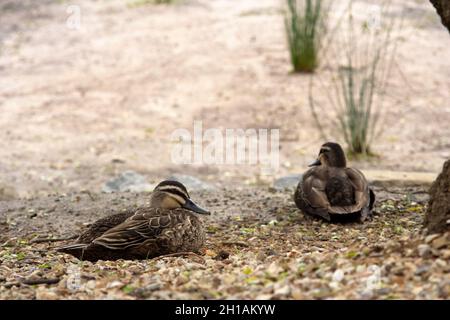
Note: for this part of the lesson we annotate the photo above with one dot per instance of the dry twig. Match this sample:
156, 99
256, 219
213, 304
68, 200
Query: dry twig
40, 240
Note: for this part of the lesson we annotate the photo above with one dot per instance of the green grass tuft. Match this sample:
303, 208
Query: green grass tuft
305, 24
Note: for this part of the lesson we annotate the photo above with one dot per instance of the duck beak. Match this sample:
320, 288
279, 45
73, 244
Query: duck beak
315, 163
190, 205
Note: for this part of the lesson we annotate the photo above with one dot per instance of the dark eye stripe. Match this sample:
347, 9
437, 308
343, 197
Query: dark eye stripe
172, 184
174, 190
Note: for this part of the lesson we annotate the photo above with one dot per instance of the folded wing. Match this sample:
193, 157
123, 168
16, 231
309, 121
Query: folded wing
141, 227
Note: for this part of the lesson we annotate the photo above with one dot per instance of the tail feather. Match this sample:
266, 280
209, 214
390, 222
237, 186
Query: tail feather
372, 199
76, 249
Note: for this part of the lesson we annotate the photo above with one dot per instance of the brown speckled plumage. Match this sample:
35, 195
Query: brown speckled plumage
145, 232
329, 188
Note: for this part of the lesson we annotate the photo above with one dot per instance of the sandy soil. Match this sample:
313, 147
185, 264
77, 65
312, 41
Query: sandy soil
73, 102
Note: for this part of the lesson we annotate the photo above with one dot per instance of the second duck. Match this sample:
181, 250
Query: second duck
331, 189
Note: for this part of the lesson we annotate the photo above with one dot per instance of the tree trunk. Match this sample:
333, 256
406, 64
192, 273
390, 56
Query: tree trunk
437, 218
443, 9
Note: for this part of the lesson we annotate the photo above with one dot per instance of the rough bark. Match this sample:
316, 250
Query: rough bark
437, 218
443, 9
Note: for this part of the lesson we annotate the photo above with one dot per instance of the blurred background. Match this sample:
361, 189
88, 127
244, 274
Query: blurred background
91, 89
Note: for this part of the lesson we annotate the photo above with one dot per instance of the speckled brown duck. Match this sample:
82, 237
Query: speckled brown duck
331, 189
168, 225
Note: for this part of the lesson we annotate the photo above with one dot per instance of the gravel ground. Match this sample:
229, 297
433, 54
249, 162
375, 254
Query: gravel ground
259, 246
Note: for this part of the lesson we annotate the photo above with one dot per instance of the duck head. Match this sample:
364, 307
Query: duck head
332, 155
171, 195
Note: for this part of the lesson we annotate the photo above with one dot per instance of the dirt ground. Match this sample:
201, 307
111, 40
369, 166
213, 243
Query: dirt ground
79, 106
259, 246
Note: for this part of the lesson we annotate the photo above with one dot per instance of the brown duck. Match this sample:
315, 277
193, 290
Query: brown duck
168, 225
330, 189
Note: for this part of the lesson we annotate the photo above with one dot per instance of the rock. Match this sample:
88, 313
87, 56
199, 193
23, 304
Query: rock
366, 294
146, 291
261, 256
422, 269
287, 183
7, 193
445, 254
191, 183
440, 263
338, 275
222, 255
383, 291
431, 237
398, 271
283, 291
127, 181
440, 242
180, 280
46, 294
297, 294
438, 211
193, 266
274, 269
424, 250
114, 284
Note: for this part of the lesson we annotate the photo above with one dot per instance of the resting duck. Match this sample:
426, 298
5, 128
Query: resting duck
329, 188
168, 225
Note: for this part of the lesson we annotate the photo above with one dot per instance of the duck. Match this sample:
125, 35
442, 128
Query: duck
169, 224
331, 189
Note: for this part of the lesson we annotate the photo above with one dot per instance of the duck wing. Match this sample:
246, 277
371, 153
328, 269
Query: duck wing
102, 225
146, 225
98, 228
310, 195
362, 194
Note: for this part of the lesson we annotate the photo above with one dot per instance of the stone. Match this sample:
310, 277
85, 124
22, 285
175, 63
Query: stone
127, 181
431, 237
383, 291
180, 280
46, 294
274, 269
114, 284
297, 294
192, 183
445, 254
366, 294
146, 291
283, 291
440, 242
422, 270
338, 275
261, 256
440, 263
424, 250
289, 182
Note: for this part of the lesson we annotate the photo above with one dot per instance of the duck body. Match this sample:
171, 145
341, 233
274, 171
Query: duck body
330, 189
148, 233
169, 226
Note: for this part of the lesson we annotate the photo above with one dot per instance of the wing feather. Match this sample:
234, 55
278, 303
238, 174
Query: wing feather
141, 227
314, 191
362, 195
